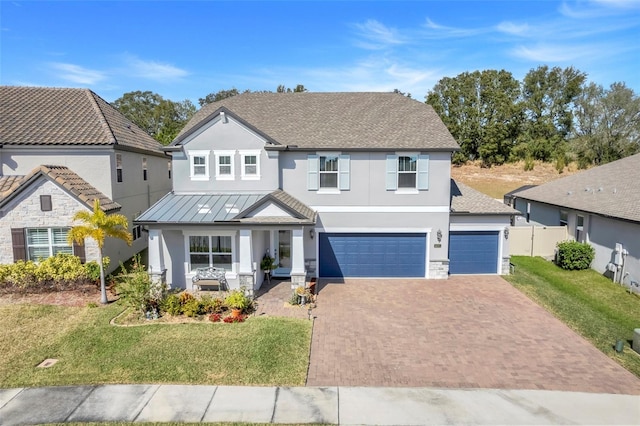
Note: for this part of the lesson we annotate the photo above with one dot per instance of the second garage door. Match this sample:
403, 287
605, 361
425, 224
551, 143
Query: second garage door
372, 254
473, 252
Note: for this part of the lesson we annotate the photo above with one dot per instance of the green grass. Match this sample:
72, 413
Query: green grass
596, 308
260, 351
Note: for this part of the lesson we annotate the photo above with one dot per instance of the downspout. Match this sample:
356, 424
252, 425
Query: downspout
624, 257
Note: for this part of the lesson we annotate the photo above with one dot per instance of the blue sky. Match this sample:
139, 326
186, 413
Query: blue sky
185, 50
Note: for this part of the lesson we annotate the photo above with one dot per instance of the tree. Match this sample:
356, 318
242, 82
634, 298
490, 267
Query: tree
298, 89
97, 226
548, 97
481, 111
220, 95
161, 118
607, 124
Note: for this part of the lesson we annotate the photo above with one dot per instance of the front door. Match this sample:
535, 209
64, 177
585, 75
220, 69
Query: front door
282, 253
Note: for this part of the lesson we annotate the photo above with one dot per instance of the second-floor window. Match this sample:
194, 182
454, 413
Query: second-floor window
250, 164
328, 172
144, 168
407, 172
224, 165
199, 165
119, 167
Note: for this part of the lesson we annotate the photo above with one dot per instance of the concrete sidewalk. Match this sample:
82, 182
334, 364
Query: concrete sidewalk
337, 405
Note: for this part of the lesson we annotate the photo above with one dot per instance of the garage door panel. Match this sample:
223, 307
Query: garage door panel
372, 254
473, 252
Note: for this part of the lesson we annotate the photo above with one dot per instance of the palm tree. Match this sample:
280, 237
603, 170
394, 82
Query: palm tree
99, 225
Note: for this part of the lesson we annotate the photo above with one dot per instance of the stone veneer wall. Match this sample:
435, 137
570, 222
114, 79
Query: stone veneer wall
439, 269
24, 212
506, 262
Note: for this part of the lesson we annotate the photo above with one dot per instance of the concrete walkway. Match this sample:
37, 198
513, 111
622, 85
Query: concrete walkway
335, 405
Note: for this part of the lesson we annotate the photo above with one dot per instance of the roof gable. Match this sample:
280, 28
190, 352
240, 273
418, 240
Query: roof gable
66, 117
334, 120
611, 190
68, 181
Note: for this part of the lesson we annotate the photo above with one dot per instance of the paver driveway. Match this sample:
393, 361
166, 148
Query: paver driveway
465, 332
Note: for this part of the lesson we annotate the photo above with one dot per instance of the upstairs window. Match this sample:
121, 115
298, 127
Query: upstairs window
144, 168
329, 172
250, 164
224, 165
199, 161
407, 173
119, 168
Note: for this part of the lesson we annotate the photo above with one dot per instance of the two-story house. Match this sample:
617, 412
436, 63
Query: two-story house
330, 184
59, 150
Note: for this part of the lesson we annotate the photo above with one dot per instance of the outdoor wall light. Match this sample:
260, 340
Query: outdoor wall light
311, 232
439, 235
506, 233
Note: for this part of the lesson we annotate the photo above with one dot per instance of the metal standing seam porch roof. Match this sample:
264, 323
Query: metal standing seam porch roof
211, 208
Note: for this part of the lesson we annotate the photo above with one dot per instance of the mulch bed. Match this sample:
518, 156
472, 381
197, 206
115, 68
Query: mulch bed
81, 296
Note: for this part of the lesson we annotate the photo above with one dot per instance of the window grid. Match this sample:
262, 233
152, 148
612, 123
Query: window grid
407, 171
46, 242
119, 168
329, 171
224, 165
144, 168
210, 251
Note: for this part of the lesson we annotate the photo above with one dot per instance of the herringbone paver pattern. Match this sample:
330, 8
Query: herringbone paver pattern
464, 332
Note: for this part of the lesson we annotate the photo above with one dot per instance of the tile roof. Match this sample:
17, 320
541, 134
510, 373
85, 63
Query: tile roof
466, 200
335, 120
67, 180
8, 182
611, 190
224, 208
61, 116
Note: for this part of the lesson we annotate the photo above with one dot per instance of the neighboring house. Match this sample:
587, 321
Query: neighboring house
59, 150
600, 206
330, 184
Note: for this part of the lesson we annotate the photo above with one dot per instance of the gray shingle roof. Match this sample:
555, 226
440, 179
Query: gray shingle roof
61, 116
68, 180
335, 120
611, 190
466, 200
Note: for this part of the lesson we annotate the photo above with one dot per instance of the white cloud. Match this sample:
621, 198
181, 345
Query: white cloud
77, 74
377, 35
556, 52
153, 70
513, 29
434, 30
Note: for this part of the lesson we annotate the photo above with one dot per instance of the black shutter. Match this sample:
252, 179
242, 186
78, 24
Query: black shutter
78, 250
19, 248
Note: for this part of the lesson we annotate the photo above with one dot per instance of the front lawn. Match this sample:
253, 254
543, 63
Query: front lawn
260, 351
596, 308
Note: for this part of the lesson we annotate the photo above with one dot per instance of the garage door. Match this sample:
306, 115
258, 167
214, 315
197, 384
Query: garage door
372, 254
473, 252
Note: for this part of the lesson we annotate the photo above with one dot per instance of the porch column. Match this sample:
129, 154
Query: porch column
157, 269
246, 272
298, 273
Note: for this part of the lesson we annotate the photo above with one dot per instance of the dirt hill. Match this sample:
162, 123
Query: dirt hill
498, 180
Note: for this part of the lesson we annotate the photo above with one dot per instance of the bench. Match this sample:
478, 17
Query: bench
207, 277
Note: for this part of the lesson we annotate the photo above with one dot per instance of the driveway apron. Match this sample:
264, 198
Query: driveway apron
464, 332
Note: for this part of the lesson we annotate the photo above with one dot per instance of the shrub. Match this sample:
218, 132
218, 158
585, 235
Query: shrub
237, 300
192, 308
231, 319
560, 163
573, 255
92, 268
138, 291
61, 267
212, 305
185, 298
171, 305
215, 317
529, 164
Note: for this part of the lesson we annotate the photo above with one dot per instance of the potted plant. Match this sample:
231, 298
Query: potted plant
268, 264
237, 302
303, 294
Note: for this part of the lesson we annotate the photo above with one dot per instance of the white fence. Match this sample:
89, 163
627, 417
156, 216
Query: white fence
535, 240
